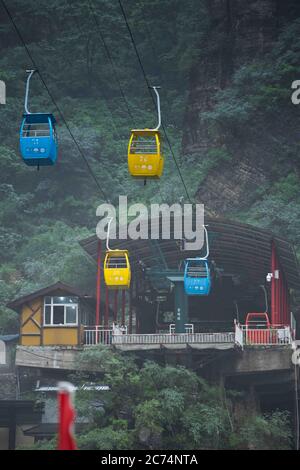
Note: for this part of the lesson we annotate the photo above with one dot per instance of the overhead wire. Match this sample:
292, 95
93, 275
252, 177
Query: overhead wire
54, 101
79, 26
152, 97
113, 66
110, 58
116, 75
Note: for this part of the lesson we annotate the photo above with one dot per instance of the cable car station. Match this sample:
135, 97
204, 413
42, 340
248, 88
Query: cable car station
240, 331
244, 294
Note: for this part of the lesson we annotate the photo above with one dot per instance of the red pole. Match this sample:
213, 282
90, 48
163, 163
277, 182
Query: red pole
279, 299
277, 293
106, 319
288, 313
273, 286
130, 308
137, 290
286, 308
116, 306
281, 295
123, 307
98, 285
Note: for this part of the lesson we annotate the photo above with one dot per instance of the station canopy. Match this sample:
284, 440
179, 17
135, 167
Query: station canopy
237, 249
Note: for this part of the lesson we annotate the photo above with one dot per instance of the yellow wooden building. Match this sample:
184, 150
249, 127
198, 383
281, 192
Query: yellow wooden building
53, 316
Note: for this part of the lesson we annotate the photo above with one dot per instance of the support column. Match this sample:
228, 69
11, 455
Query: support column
116, 306
130, 307
280, 311
123, 307
181, 307
106, 317
281, 294
274, 288
137, 291
98, 286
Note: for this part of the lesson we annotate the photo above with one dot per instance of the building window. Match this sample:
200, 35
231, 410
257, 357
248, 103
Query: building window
61, 311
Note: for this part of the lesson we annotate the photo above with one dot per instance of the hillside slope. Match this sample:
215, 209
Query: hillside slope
225, 67
241, 128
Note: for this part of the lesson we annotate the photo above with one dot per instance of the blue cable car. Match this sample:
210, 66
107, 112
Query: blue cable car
38, 141
197, 278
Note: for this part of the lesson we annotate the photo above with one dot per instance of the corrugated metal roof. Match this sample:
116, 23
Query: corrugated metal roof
238, 248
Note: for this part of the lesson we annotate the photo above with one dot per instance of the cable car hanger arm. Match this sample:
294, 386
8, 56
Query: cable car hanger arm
107, 235
155, 88
207, 243
30, 72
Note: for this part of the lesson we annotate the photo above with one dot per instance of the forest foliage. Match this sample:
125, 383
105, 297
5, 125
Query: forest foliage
150, 406
43, 214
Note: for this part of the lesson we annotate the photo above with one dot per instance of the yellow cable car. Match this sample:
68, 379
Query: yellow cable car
145, 159
117, 273
144, 154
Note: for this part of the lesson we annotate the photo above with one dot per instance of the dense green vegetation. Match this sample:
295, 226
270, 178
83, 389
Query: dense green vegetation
260, 102
44, 214
154, 407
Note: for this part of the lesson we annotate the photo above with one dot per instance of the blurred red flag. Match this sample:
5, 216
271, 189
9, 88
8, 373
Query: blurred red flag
66, 440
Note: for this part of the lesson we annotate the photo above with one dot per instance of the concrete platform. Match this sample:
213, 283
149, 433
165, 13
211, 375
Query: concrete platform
49, 357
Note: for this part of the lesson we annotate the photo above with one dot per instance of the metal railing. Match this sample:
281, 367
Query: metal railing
189, 328
100, 335
97, 335
174, 338
275, 335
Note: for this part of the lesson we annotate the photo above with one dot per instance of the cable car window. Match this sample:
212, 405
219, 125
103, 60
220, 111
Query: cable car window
40, 129
196, 270
144, 144
114, 262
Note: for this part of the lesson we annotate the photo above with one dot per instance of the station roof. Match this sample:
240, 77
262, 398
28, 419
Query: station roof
58, 287
238, 249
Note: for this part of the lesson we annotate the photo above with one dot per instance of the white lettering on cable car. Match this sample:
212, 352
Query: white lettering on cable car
158, 225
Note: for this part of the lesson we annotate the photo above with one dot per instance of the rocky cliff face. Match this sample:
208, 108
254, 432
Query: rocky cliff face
239, 33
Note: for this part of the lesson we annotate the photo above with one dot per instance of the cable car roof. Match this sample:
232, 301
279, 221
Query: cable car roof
145, 131
239, 249
39, 117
